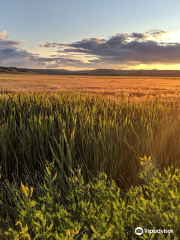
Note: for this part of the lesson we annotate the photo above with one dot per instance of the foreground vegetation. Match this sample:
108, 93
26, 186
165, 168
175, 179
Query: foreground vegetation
97, 210
45, 138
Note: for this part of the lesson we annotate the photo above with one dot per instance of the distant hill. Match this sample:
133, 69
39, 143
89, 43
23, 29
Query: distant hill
111, 72
15, 70
95, 72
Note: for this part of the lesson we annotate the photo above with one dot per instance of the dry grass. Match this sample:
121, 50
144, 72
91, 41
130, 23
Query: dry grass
130, 87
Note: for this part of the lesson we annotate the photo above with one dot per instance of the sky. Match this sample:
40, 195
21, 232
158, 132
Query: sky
82, 34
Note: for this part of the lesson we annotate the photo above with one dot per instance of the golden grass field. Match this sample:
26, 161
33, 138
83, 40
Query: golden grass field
114, 86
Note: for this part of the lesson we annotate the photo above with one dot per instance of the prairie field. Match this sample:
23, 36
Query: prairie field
79, 161
137, 88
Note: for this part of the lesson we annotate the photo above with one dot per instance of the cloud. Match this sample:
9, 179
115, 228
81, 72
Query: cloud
3, 35
12, 55
156, 32
134, 48
139, 35
48, 44
124, 49
8, 43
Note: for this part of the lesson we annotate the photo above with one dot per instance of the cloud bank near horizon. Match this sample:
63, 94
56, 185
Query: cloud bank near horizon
120, 51
13, 55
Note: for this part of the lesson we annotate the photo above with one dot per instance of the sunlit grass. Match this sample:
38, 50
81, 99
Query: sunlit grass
134, 88
91, 131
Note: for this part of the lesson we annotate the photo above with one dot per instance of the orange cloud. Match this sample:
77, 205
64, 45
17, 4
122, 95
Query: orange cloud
3, 34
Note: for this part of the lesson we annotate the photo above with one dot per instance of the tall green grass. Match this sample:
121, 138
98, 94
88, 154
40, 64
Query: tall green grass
96, 133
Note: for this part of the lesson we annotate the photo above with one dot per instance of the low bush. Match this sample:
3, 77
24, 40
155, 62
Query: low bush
94, 210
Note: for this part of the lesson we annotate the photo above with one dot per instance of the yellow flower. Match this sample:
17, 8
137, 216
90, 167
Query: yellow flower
78, 230
47, 169
172, 194
33, 204
55, 176
24, 189
31, 191
68, 232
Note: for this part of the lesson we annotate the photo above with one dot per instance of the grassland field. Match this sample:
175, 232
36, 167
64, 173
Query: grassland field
136, 88
89, 157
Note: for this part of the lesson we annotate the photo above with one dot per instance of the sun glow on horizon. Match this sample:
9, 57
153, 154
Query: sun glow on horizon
157, 67
173, 36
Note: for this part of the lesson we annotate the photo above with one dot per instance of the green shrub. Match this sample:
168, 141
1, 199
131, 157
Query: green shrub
98, 209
